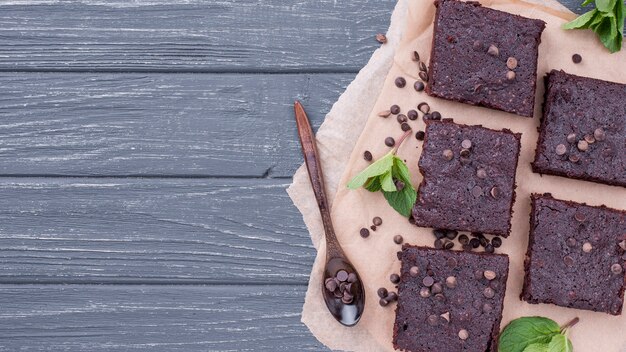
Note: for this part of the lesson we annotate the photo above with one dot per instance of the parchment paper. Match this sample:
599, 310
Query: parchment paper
352, 126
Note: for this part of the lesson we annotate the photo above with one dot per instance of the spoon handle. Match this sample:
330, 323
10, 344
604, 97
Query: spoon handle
314, 167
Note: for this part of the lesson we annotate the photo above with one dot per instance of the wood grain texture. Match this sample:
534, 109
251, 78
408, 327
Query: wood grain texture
152, 231
157, 124
191, 35
153, 318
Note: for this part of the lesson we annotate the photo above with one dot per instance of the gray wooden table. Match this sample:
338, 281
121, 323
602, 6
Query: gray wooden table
145, 148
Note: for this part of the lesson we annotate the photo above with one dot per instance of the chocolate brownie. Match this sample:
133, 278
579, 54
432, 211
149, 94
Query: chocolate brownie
583, 129
469, 178
452, 302
485, 57
575, 255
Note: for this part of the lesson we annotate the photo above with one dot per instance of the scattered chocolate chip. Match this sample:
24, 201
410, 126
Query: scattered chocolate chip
439, 233
568, 260
414, 271
579, 216
398, 239
435, 115
488, 292
466, 144
347, 298
496, 242
423, 67
416, 56
489, 248
342, 275
576, 58
383, 302
478, 45
451, 282
424, 292
448, 245
423, 107
599, 134
477, 191
400, 82
364, 232
616, 269
381, 38
451, 234
384, 113
373, 227
574, 158
481, 173
493, 50
587, 247
463, 334
418, 86
571, 138
399, 185
561, 149
428, 281
511, 63
489, 274
419, 135
571, 242
394, 278
426, 117
475, 243
465, 153
394, 109
377, 221
423, 76
495, 192
405, 126
463, 239
582, 145
367, 155
390, 142
401, 118
436, 288
433, 320
331, 285
510, 75
412, 115
447, 154
351, 279
382, 292
590, 139
392, 296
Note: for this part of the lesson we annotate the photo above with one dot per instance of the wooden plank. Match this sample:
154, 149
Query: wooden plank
153, 318
191, 35
100, 230
157, 124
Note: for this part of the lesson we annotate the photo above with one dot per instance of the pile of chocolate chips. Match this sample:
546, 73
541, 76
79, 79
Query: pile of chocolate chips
341, 285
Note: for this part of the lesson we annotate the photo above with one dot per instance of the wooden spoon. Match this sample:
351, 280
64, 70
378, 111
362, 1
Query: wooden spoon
347, 301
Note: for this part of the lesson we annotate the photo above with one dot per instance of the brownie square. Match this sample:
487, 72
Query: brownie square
452, 302
469, 178
583, 129
484, 57
575, 255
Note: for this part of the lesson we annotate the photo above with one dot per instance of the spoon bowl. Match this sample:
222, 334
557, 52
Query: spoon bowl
347, 314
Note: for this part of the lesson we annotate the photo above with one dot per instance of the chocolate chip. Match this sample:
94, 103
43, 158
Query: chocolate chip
496, 242
418, 86
381, 38
465, 153
438, 244
394, 109
576, 58
511, 63
428, 281
463, 239
426, 117
394, 278
423, 76
373, 227
493, 50
475, 243
481, 173
488, 292
561, 149
414, 271
338, 293
622, 245
451, 234
424, 292
435, 115
347, 298
489, 274
419, 135
422, 67
436, 288
580, 216
377, 221
416, 56
351, 279
390, 142
433, 320
510, 75
382, 292
367, 155
342, 275
463, 334
489, 248
571, 138
571, 242
412, 115
401, 118
477, 191
590, 139
478, 45
466, 144
384, 113
448, 245
568, 260
439, 233
487, 308
440, 297
447, 154
587, 247
616, 269
399, 185
582, 145
445, 316
331, 285
405, 127
451, 282
364, 232
423, 107
400, 82
574, 158
392, 296
383, 302
398, 239
599, 134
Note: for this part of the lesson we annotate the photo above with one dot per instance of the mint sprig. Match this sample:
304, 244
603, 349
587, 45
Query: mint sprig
535, 334
390, 175
606, 20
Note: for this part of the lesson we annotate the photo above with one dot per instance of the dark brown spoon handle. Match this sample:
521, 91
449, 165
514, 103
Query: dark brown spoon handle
313, 165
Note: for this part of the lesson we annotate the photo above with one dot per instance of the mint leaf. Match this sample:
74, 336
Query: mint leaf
376, 169
522, 332
607, 30
586, 2
605, 5
560, 343
537, 347
620, 13
386, 181
582, 22
401, 171
606, 20
402, 201
373, 184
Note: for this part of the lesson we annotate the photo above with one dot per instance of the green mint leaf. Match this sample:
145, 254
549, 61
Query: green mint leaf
620, 13
376, 169
537, 347
606, 5
373, 184
586, 2
560, 343
522, 332
607, 31
402, 201
386, 181
582, 21
401, 171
